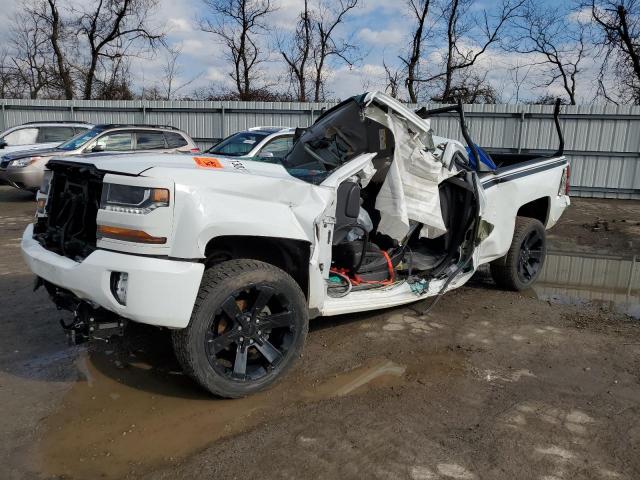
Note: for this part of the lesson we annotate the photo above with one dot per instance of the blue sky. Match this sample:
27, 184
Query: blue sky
380, 27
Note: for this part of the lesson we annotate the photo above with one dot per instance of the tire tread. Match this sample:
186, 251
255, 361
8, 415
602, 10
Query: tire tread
504, 270
212, 279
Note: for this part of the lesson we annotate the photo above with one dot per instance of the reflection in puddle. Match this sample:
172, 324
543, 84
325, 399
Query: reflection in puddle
127, 416
576, 279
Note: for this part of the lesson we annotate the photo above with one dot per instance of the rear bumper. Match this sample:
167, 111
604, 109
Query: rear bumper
557, 208
160, 292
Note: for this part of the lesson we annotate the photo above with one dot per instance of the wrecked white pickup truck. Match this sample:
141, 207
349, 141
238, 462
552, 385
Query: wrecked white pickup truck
367, 211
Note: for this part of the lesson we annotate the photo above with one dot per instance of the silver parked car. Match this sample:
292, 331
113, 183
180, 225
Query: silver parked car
267, 142
47, 134
25, 169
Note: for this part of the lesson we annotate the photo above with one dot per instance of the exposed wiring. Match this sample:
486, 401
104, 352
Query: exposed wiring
346, 279
463, 265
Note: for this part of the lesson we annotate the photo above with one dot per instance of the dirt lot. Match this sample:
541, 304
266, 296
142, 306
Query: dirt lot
489, 385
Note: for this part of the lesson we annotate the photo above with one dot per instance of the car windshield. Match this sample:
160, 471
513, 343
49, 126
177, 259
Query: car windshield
80, 139
238, 144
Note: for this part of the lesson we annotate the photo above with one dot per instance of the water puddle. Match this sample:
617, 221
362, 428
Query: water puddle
124, 418
578, 279
379, 373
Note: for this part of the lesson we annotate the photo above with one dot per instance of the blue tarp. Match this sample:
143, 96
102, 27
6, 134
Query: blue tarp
485, 159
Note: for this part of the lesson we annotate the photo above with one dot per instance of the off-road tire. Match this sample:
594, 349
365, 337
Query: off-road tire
504, 270
218, 283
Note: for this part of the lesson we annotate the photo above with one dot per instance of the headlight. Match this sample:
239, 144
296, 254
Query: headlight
128, 199
23, 162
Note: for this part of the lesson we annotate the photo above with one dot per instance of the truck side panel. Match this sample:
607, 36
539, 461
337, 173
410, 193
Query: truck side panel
509, 190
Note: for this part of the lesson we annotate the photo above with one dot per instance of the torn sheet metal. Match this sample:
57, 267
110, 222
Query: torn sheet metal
410, 190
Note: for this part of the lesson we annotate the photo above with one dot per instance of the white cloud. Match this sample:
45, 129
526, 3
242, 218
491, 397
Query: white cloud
197, 47
217, 75
286, 15
382, 38
179, 25
581, 16
345, 82
380, 7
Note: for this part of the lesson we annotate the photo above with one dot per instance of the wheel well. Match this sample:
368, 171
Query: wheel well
292, 256
538, 209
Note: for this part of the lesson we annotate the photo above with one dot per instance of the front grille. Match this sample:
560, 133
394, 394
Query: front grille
4, 163
69, 227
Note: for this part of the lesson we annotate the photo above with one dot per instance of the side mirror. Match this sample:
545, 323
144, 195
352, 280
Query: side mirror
98, 148
266, 154
3, 143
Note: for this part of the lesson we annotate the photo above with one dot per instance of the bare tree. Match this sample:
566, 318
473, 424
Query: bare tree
10, 87
46, 14
554, 42
90, 39
30, 48
116, 84
171, 70
461, 27
297, 52
328, 45
419, 10
618, 24
474, 89
393, 80
238, 23
111, 28
518, 79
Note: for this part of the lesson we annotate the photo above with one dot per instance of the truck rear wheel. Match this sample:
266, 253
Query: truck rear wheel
521, 266
248, 326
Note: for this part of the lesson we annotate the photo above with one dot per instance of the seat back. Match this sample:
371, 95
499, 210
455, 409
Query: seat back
347, 209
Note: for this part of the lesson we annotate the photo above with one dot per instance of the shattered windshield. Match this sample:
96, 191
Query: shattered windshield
238, 144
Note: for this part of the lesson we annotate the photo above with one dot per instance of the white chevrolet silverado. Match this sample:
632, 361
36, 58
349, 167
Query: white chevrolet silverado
368, 210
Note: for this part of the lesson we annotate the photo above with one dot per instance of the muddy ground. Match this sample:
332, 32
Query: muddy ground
489, 385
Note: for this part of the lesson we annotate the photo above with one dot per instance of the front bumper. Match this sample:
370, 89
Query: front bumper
160, 292
27, 178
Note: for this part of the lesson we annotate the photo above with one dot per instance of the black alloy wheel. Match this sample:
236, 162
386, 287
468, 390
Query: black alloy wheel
523, 262
250, 334
531, 255
248, 327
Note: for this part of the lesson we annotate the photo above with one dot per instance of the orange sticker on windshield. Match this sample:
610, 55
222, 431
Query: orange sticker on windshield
207, 162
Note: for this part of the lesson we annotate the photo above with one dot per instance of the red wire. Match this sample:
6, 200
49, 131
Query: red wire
357, 280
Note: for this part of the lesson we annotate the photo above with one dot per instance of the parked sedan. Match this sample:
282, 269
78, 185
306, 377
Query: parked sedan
32, 135
25, 170
268, 142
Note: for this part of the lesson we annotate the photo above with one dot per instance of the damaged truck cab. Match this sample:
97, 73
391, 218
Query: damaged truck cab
369, 210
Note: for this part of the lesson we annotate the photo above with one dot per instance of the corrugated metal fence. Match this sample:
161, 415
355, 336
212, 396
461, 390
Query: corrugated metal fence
602, 142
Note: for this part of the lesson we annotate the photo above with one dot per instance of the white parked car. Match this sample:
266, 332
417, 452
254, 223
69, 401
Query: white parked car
235, 256
32, 135
266, 142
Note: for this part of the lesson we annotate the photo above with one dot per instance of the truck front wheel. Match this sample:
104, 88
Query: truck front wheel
248, 326
521, 266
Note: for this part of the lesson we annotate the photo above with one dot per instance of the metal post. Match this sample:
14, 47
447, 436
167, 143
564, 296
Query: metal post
312, 117
72, 113
520, 129
223, 127
631, 275
3, 119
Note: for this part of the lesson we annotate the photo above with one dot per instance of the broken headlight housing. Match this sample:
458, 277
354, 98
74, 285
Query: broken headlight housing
130, 199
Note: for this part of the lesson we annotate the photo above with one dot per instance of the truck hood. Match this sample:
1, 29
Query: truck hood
146, 163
